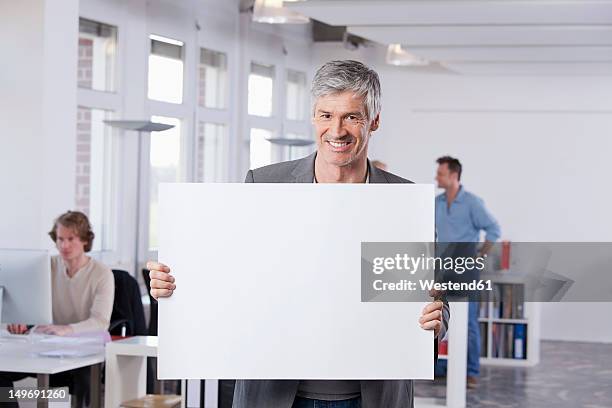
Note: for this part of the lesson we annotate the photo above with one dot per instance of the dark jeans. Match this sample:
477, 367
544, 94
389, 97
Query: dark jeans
226, 393
77, 382
310, 403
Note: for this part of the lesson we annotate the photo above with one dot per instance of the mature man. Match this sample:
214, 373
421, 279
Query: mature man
460, 217
346, 111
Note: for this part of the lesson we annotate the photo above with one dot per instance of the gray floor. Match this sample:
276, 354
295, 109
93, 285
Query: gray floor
569, 375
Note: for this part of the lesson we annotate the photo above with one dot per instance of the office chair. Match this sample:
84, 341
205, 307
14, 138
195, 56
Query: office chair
152, 331
128, 317
152, 328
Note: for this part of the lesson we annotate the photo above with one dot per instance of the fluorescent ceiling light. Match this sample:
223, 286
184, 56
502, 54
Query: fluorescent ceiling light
396, 55
273, 12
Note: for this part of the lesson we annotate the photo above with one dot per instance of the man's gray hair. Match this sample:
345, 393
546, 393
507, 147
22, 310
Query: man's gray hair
348, 75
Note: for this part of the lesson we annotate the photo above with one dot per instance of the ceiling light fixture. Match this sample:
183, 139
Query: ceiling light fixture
396, 55
273, 12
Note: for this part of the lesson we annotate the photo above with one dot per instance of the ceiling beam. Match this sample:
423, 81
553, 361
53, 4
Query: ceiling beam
564, 69
514, 54
486, 35
455, 12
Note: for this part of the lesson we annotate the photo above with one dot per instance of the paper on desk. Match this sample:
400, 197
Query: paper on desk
69, 341
70, 353
268, 282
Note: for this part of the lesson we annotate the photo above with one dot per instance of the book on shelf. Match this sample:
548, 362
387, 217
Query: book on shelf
504, 262
484, 309
443, 348
520, 341
483, 339
509, 300
509, 340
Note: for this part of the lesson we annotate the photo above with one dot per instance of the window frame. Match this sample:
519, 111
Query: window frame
114, 83
110, 101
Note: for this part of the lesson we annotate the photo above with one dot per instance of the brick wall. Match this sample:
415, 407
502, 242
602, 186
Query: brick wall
83, 166
200, 154
84, 67
202, 85
83, 147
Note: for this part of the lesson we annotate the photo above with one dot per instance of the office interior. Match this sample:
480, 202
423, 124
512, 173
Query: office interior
520, 92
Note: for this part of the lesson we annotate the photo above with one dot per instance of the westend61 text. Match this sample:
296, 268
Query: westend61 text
407, 285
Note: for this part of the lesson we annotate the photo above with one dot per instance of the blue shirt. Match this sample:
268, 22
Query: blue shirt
464, 219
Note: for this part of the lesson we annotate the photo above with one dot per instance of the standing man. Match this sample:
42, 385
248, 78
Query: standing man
346, 111
460, 217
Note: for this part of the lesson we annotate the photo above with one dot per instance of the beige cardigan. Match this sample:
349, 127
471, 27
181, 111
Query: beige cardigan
85, 301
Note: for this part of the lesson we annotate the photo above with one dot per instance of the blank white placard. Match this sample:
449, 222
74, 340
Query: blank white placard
269, 282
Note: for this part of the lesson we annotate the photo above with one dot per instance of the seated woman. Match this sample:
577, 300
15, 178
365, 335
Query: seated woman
83, 291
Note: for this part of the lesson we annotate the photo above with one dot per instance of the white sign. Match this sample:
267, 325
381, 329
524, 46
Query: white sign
268, 282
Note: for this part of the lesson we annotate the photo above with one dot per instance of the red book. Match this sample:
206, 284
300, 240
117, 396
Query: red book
505, 256
443, 348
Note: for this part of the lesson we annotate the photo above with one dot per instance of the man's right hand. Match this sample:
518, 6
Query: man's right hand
162, 283
17, 328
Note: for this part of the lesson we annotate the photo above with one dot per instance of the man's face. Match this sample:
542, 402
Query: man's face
68, 243
342, 128
444, 177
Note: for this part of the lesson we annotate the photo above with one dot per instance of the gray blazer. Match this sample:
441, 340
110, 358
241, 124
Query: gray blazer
281, 393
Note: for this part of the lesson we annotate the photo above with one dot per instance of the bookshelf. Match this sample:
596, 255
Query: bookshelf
503, 320
509, 326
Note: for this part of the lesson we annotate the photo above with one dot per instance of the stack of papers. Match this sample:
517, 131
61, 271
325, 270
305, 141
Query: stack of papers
69, 353
69, 341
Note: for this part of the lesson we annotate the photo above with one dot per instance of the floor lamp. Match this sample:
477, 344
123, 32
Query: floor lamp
290, 143
142, 127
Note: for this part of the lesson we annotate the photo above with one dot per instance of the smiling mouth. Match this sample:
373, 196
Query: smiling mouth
338, 145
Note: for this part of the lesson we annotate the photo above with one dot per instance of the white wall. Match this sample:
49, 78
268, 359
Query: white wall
535, 148
37, 118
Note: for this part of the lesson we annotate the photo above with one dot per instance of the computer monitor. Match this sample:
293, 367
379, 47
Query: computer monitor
25, 287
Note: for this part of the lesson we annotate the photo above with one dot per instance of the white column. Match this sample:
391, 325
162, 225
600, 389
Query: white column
38, 39
133, 86
457, 355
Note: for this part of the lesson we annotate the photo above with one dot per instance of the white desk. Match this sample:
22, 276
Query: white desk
126, 369
19, 355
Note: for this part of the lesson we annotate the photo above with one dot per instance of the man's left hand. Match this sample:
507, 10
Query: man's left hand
55, 329
431, 317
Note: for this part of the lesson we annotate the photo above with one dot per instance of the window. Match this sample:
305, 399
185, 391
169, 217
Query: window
213, 79
211, 151
166, 70
94, 177
260, 148
165, 167
296, 95
261, 90
97, 55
